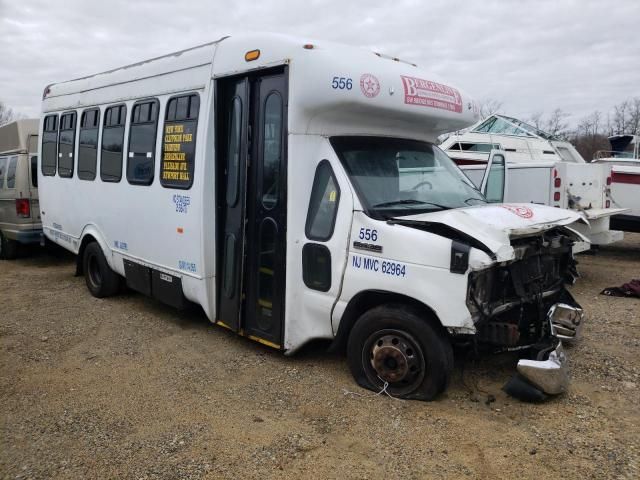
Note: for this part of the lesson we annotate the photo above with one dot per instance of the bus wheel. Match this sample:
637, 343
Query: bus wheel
8, 248
101, 280
394, 345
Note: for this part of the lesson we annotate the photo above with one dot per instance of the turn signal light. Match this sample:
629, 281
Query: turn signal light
608, 180
607, 204
23, 208
556, 196
252, 55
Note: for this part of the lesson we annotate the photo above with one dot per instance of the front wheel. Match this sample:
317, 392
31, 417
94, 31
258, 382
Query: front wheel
101, 280
397, 346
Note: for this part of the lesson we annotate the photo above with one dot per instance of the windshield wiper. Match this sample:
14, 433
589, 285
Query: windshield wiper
475, 198
409, 201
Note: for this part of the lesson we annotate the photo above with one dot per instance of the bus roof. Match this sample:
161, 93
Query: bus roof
333, 88
15, 136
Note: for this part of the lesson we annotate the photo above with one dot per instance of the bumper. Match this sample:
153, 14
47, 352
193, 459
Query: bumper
548, 372
27, 236
550, 376
566, 321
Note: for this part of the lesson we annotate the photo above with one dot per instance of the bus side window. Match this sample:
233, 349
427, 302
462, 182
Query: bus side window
11, 172
321, 221
3, 168
49, 145
88, 144
179, 141
66, 144
142, 142
112, 142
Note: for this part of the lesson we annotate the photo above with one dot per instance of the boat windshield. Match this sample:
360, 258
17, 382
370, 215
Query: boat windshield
396, 177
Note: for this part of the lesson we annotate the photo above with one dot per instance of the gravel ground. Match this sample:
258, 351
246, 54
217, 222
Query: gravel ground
127, 388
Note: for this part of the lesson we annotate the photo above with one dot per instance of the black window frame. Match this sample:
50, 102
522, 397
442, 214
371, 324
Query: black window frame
52, 169
314, 186
173, 118
123, 125
81, 172
68, 172
136, 107
33, 161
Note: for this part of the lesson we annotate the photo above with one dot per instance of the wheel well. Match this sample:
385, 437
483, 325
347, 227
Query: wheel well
86, 240
369, 299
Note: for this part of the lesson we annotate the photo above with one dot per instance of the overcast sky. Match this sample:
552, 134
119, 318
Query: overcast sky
533, 55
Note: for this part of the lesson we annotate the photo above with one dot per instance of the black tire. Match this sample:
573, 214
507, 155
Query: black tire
101, 280
8, 248
400, 345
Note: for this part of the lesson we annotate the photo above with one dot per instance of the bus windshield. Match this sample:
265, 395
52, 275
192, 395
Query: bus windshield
396, 177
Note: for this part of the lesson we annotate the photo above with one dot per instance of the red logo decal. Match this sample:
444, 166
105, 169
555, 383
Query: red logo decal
524, 212
431, 94
369, 85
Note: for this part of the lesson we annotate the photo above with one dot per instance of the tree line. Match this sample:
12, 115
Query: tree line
590, 133
7, 114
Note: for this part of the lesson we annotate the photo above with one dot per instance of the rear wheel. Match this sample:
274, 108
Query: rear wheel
101, 280
8, 248
397, 346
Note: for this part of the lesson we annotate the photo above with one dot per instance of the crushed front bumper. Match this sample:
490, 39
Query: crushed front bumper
551, 376
566, 321
548, 372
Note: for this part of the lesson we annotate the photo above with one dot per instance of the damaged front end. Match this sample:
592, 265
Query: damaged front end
523, 305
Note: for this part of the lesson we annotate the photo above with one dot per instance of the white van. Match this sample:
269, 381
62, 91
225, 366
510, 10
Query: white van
293, 190
542, 169
19, 207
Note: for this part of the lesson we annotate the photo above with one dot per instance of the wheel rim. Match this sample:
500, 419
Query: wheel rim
394, 357
95, 277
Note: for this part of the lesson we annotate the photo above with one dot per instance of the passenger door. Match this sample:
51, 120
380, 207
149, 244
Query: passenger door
252, 204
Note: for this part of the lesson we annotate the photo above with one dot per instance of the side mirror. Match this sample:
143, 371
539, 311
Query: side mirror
495, 178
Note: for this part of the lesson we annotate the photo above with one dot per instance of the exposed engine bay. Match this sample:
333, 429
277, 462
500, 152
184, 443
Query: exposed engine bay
510, 302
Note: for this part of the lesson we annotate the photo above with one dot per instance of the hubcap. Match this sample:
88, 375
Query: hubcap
396, 358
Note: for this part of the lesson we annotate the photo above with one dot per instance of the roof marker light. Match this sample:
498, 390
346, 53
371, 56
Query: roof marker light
252, 55
308, 46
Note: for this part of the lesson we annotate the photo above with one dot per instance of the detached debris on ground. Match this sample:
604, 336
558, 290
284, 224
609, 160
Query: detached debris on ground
631, 289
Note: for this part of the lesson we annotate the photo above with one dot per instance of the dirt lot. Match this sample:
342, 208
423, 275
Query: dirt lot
127, 388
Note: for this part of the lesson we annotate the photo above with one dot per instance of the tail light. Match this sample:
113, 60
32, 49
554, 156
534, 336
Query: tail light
608, 180
556, 196
557, 182
23, 207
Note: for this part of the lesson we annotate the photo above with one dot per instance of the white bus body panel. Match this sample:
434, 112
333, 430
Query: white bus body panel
150, 224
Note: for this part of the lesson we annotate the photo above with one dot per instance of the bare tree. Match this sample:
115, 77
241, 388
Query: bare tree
489, 106
634, 116
536, 120
556, 124
588, 137
621, 117
6, 113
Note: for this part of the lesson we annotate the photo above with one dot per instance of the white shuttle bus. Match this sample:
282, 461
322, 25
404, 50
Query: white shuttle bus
294, 191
